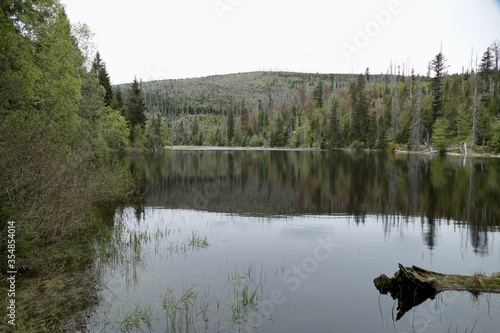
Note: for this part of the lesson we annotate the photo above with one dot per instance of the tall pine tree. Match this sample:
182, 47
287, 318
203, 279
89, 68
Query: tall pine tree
360, 121
136, 110
439, 67
99, 67
230, 126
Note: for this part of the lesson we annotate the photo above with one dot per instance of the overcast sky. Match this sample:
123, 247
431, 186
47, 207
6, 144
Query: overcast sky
167, 39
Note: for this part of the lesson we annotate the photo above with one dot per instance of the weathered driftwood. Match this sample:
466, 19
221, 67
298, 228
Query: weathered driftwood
413, 285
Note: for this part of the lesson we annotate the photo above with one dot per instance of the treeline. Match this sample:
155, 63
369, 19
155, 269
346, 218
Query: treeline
319, 110
397, 189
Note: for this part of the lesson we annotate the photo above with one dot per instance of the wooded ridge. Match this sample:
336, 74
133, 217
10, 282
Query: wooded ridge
444, 111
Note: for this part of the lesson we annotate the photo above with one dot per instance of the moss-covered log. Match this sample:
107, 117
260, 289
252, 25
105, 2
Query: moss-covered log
413, 285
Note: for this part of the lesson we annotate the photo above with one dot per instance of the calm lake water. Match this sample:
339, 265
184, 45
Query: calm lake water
290, 241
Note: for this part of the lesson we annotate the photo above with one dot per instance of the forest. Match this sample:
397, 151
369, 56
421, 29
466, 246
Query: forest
282, 109
60, 143
61, 124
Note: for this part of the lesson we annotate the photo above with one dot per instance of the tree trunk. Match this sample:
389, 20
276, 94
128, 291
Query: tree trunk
413, 285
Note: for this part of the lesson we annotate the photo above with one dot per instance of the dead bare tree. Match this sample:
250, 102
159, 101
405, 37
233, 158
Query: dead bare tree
416, 119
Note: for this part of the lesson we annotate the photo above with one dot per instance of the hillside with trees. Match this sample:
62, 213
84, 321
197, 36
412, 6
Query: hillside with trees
280, 109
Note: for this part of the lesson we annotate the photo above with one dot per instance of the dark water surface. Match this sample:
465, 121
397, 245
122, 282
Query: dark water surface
277, 241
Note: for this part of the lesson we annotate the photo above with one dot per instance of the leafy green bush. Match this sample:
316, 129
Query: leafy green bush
441, 134
495, 140
357, 145
256, 141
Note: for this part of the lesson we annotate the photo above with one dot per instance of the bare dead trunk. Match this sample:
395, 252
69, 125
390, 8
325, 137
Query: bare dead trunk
413, 285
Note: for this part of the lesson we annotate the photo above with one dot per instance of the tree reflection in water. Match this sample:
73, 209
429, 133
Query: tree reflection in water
397, 188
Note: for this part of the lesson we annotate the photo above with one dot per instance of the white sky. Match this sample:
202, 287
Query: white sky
167, 39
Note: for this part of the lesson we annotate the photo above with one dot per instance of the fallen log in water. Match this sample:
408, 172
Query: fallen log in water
413, 285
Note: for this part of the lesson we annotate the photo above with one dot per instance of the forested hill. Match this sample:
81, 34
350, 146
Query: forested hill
439, 110
213, 94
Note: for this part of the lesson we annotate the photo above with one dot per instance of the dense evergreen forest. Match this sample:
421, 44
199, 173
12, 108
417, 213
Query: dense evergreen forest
279, 109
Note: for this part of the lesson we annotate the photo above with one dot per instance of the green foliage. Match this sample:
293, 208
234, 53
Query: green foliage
280, 130
99, 68
114, 130
58, 148
441, 134
324, 110
495, 140
244, 119
56, 130
156, 133
360, 121
136, 112
439, 67
138, 138
318, 95
256, 141
262, 121
106, 128
230, 126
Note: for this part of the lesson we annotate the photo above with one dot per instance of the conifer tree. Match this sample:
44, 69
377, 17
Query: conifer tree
230, 126
136, 110
99, 67
439, 67
335, 137
119, 104
486, 66
318, 94
261, 118
244, 118
360, 121
485, 72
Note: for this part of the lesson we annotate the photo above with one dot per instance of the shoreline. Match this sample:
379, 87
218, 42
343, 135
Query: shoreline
396, 152
436, 152
226, 148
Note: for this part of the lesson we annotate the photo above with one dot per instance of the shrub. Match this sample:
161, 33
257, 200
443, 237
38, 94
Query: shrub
256, 141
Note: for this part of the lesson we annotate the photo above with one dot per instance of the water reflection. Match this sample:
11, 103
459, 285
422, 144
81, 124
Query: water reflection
397, 189
193, 271
273, 241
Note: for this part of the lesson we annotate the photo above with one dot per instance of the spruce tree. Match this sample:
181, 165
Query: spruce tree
99, 67
261, 118
230, 126
119, 104
244, 118
360, 121
335, 136
136, 109
439, 68
486, 66
486, 72
318, 94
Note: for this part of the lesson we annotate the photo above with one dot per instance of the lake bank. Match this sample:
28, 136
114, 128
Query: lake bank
396, 151
227, 148
436, 152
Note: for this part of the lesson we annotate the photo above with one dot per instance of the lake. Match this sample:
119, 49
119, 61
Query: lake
290, 241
